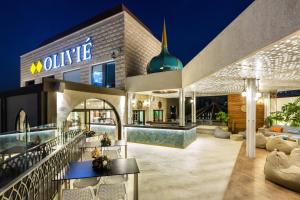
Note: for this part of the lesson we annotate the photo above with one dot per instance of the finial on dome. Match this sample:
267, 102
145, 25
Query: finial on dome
164, 37
164, 61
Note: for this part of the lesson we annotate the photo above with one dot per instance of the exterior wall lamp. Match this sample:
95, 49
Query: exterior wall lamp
244, 93
258, 93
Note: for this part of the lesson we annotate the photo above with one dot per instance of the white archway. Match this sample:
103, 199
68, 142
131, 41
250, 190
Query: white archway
68, 100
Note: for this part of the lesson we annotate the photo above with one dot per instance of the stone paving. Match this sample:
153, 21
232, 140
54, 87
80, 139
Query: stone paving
201, 171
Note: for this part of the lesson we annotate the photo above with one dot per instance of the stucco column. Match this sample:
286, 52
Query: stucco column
181, 107
194, 108
267, 104
129, 107
150, 118
251, 117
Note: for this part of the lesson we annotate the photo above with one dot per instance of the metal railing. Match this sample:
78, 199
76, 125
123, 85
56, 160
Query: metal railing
37, 181
16, 165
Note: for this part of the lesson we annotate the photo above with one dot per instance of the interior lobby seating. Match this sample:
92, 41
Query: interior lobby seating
261, 141
236, 137
284, 170
280, 144
220, 133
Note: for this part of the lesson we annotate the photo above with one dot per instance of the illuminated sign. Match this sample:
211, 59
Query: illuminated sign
36, 67
77, 54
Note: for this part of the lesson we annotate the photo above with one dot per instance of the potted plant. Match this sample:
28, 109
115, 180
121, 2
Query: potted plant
289, 114
222, 117
269, 121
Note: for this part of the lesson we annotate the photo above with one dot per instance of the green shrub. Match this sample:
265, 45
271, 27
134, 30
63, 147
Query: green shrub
222, 117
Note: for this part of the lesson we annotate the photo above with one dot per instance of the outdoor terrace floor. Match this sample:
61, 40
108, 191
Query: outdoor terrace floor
200, 171
248, 180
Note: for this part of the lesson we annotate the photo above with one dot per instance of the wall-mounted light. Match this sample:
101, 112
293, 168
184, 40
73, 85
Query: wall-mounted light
191, 101
116, 53
244, 93
258, 94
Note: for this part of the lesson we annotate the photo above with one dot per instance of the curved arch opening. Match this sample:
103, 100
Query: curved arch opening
96, 115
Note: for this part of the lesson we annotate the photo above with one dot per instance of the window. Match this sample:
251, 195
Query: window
110, 75
29, 83
97, 75
103, 75
72, 76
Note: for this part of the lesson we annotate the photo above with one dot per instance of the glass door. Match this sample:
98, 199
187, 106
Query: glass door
158, 115
138, 116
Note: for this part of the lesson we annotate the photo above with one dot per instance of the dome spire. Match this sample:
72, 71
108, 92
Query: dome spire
164, 42
164, 61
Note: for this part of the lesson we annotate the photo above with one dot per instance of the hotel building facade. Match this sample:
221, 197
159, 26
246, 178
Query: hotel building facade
80, 77
111, 75
104, 71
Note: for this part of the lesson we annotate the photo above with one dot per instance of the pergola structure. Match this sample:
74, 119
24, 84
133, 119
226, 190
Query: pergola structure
262, 43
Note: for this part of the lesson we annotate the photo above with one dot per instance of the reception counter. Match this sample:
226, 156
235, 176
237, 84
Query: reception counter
162, 135
109, 129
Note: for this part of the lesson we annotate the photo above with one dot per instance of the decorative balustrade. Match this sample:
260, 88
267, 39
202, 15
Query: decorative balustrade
38, 168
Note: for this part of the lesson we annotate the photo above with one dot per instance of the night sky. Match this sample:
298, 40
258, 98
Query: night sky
191, 24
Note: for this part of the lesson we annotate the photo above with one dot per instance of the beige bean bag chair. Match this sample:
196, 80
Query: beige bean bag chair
236, 137
295, 157
281, 145
284, 170
243, 133
219, 133
261, 141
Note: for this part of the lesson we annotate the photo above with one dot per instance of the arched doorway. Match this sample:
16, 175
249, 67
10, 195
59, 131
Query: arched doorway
96, 115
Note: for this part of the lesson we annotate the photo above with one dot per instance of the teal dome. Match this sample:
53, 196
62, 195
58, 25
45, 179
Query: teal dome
164, 61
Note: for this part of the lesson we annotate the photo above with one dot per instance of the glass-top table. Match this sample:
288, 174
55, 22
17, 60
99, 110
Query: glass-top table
81, 170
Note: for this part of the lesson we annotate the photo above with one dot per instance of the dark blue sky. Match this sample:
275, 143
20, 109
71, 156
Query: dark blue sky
191, 24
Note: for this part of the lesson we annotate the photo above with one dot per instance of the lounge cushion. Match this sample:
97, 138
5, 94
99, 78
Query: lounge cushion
236, 137
280, 169
219, 133
261, 141
277, 129
281, 145
295, 157
293, 130
243, 133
